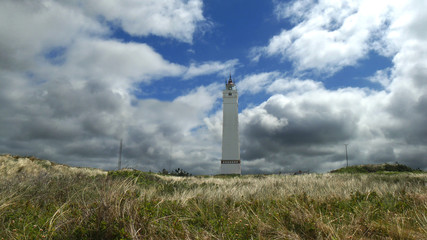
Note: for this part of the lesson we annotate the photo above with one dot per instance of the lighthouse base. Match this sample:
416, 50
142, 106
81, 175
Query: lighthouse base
231, 167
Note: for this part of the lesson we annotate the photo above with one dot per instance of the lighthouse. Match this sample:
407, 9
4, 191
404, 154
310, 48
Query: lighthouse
230, 162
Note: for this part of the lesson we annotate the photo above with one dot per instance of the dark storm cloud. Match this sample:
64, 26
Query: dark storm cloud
308, 130
408, 98
91, 148
410, 116
85, 125
415, 157
306, 125
66, 100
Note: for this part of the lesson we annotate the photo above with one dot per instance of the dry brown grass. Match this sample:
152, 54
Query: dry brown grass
31, 166
87, 204
316, 186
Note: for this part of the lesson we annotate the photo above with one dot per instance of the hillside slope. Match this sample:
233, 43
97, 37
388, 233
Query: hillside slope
31, 166
38, 200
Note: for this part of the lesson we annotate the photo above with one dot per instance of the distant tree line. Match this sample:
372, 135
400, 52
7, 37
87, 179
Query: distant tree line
177, 172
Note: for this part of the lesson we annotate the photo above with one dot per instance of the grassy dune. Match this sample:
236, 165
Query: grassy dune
90, 204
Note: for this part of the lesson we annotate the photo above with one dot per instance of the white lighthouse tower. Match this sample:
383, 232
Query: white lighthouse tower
230, 163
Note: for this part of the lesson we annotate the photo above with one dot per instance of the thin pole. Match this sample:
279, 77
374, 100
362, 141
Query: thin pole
120, 154
346, 155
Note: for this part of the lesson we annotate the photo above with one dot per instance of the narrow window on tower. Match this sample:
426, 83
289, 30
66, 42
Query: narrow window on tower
229, 94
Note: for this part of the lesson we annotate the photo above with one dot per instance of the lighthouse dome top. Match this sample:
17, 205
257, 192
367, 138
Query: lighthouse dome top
229, 85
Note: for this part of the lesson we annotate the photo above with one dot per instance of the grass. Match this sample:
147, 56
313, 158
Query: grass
385, 168
91, 204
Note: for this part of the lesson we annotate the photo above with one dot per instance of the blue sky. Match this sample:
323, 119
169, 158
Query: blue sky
232, 29
78, 76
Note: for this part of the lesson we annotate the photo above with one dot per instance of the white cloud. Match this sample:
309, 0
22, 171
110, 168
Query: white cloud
257, 82
295, 86
276, 82
29, 28
34, 29
211, 67
202, 98
328, 35
115, 62
167, 18
382, 77
260, 116
295, 11
406, 22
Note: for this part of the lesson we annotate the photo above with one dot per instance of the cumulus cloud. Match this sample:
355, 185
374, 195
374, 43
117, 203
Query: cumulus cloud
166, 18
328, 35
295, 86
304, 126
117, 63
256, 83
29, 28
210, 67
380, 125
67, 91
382, 77
306, 130
276, 82
82, 126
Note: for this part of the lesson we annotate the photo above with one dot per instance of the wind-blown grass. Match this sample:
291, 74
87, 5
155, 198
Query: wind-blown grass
135, 205
377, 168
